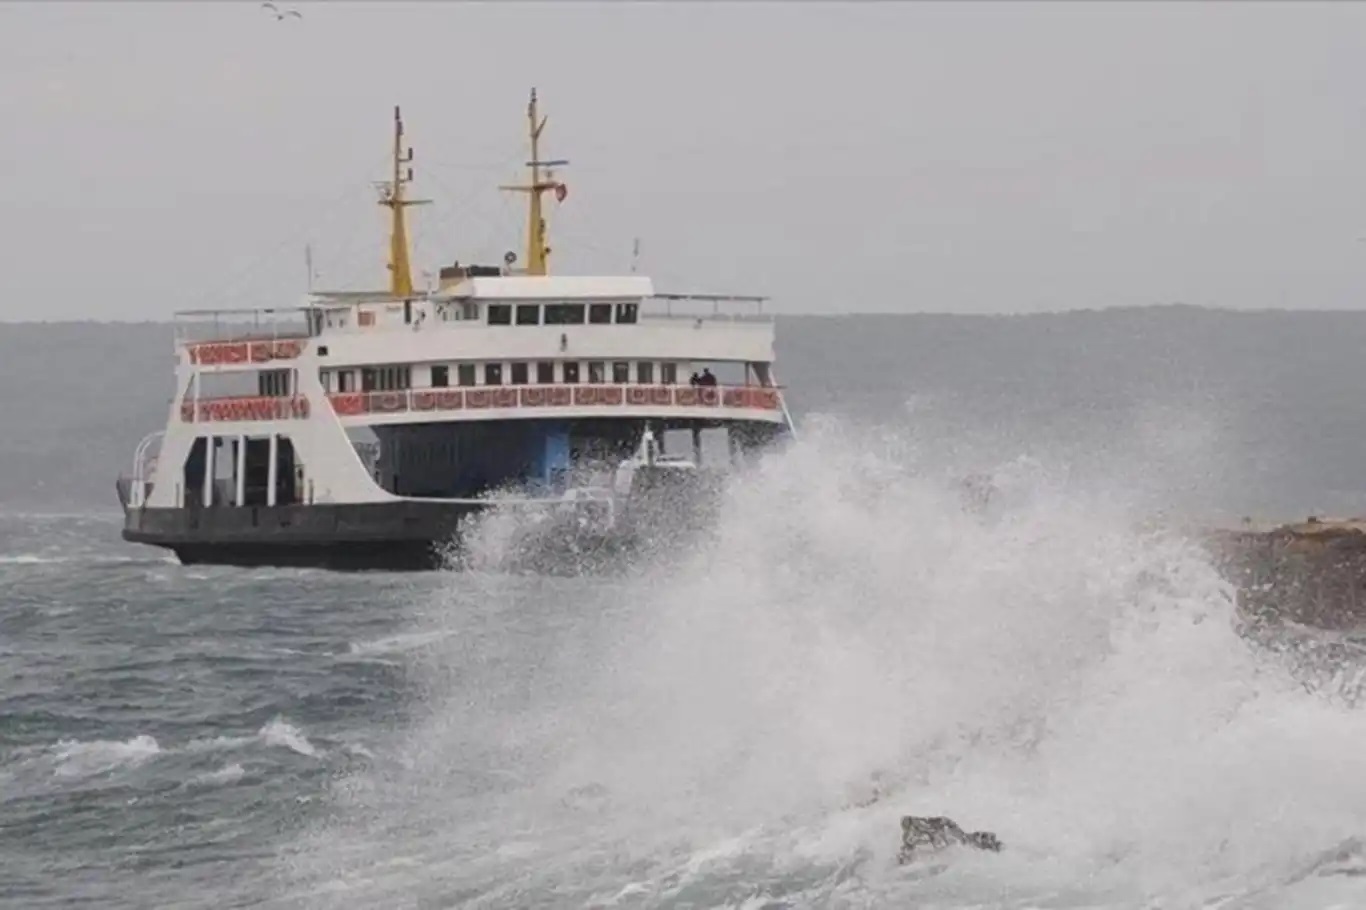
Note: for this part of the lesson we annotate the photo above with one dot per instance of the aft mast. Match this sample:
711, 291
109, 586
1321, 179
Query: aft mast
392, 197
537, 248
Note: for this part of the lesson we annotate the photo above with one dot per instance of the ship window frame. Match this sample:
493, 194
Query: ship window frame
645, 372
628, 313
367, 379
597, 372
465, 375
522, 311
599, 314
519, 368
668, 373
621, 372
500, 313
545, 372
441, 376
568, 367
493, 373
564, 314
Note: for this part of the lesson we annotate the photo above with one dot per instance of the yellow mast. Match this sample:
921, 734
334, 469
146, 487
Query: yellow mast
537, 248
392, 197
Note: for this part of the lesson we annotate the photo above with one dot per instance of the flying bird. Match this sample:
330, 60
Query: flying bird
279, 15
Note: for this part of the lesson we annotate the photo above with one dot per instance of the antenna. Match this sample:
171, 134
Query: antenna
635, 255
308, 264
538, 250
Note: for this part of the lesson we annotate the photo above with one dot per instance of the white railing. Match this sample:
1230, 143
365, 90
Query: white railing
706, 307
143, 466
604, 396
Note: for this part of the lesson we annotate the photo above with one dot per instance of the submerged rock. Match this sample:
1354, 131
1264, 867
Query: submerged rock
927, 833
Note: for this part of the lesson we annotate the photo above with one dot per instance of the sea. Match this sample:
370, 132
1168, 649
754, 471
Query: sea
741, 721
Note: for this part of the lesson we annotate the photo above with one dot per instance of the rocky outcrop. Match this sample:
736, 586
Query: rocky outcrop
1312, 572
923, 834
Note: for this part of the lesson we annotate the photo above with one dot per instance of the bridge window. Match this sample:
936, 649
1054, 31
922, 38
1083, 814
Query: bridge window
668, 373
571, 372
441, 376
528, 314
626, 313
564, 314
464, 374
519, 374
493, 374
385, 379
600, 313
500, 314
621, 371
545, 372
645, 372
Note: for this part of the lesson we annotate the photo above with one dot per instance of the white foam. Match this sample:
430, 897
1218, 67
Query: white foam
280, 732
74, 758
1046, 671
228, 774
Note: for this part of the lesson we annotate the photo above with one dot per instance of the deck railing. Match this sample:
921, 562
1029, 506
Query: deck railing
476, 398
595, 395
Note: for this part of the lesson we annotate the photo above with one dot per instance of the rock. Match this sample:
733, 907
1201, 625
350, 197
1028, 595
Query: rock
1312, 573
922, 833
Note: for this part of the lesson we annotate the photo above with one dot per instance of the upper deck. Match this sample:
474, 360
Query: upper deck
513, 317
480, 316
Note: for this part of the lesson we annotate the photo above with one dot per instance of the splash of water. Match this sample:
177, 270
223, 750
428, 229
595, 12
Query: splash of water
743, 724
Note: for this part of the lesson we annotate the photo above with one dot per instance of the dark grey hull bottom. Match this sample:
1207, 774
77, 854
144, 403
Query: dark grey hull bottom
404, 536
396, 537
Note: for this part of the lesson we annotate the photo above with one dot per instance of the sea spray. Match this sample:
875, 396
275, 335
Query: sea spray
745, 720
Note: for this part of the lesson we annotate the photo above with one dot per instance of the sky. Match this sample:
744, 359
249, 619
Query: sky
848, 157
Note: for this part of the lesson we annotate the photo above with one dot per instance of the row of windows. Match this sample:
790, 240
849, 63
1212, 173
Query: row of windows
383, 379
273, 383
563, 314
570, 372
543, 372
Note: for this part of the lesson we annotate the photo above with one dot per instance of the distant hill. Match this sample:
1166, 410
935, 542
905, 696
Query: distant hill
1233, 412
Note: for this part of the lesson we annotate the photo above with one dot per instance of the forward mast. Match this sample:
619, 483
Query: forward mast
392, 196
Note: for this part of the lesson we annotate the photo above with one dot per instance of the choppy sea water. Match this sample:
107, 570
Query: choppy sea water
740, 726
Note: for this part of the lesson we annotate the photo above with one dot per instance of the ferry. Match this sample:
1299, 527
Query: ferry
364, 429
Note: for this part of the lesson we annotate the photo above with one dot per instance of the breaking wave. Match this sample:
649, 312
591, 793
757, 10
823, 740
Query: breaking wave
743, 724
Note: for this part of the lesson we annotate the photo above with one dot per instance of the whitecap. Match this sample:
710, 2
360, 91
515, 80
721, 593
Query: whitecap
280, 732
228, 774
83, 759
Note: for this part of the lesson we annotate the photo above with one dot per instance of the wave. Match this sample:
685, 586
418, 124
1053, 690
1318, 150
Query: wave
746, 721
73, 758
45, 559
68, 760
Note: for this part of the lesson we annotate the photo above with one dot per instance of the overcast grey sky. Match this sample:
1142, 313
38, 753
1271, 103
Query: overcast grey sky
974, 157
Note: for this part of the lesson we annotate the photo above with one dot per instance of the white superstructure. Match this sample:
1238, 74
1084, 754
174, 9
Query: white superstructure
499, 377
